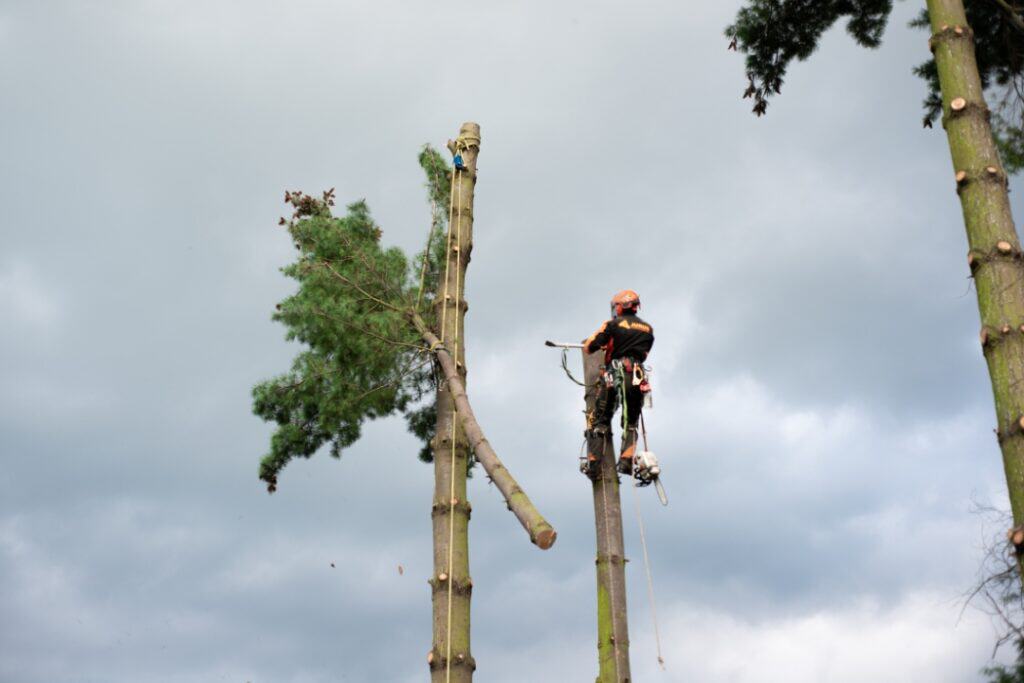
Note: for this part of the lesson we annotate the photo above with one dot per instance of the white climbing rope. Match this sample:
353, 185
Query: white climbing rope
647, 560
456, 180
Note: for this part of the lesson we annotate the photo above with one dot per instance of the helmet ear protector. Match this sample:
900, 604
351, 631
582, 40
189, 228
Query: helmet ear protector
619, 309
626, 300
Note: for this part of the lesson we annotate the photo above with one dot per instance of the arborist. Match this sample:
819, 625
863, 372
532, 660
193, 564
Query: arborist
626, 340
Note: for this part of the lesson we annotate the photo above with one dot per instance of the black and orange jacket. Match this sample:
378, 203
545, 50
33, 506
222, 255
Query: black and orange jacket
625, 336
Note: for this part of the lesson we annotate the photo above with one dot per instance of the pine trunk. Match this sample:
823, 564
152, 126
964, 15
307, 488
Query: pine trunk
612, 622
995, 256
450, 659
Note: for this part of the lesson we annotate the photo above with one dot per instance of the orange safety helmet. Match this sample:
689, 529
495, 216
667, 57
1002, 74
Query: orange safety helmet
626, 300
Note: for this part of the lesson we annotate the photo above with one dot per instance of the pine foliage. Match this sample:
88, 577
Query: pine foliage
1001, 673
772, 33
999, 49
361, 358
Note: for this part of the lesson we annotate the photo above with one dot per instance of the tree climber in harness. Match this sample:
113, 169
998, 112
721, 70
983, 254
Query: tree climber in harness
626, 340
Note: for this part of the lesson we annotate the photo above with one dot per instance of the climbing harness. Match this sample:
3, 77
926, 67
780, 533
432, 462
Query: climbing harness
646, 469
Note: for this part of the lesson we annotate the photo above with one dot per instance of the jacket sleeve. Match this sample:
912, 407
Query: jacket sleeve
598, 340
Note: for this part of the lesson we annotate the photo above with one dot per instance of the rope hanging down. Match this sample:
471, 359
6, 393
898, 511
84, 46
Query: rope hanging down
430, 240
463, 143
647, 559
456, 180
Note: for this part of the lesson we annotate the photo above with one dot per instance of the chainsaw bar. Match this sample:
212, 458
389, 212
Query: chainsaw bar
661, 491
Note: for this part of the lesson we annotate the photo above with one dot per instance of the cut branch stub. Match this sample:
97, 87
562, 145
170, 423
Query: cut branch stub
984, 336
1004, 247
945, 31
961, 176
958, 104
437, 662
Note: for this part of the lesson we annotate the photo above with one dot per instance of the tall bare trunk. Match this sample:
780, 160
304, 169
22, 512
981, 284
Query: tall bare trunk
995, 256
450, 659
612, 621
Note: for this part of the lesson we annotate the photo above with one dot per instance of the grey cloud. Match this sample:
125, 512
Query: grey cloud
821, 406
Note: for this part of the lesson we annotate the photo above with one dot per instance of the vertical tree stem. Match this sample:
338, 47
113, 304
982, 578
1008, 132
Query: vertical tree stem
995, 252
451, 583
612, 620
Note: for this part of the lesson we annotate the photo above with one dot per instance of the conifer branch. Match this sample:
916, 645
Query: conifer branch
358, 288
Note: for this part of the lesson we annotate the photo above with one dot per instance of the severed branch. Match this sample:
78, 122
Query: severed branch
542, 534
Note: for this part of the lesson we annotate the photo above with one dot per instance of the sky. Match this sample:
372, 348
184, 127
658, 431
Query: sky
821, 406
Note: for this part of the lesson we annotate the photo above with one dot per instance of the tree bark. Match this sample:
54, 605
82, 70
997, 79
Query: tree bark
449, 659
612, 621
995, 256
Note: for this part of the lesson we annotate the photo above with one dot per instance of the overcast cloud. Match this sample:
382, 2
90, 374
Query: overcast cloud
821, 407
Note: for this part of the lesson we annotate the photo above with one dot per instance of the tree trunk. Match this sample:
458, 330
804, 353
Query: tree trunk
612, 622
450, 659
995, 256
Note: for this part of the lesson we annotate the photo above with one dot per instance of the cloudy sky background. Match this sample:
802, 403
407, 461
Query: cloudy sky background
821, 407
